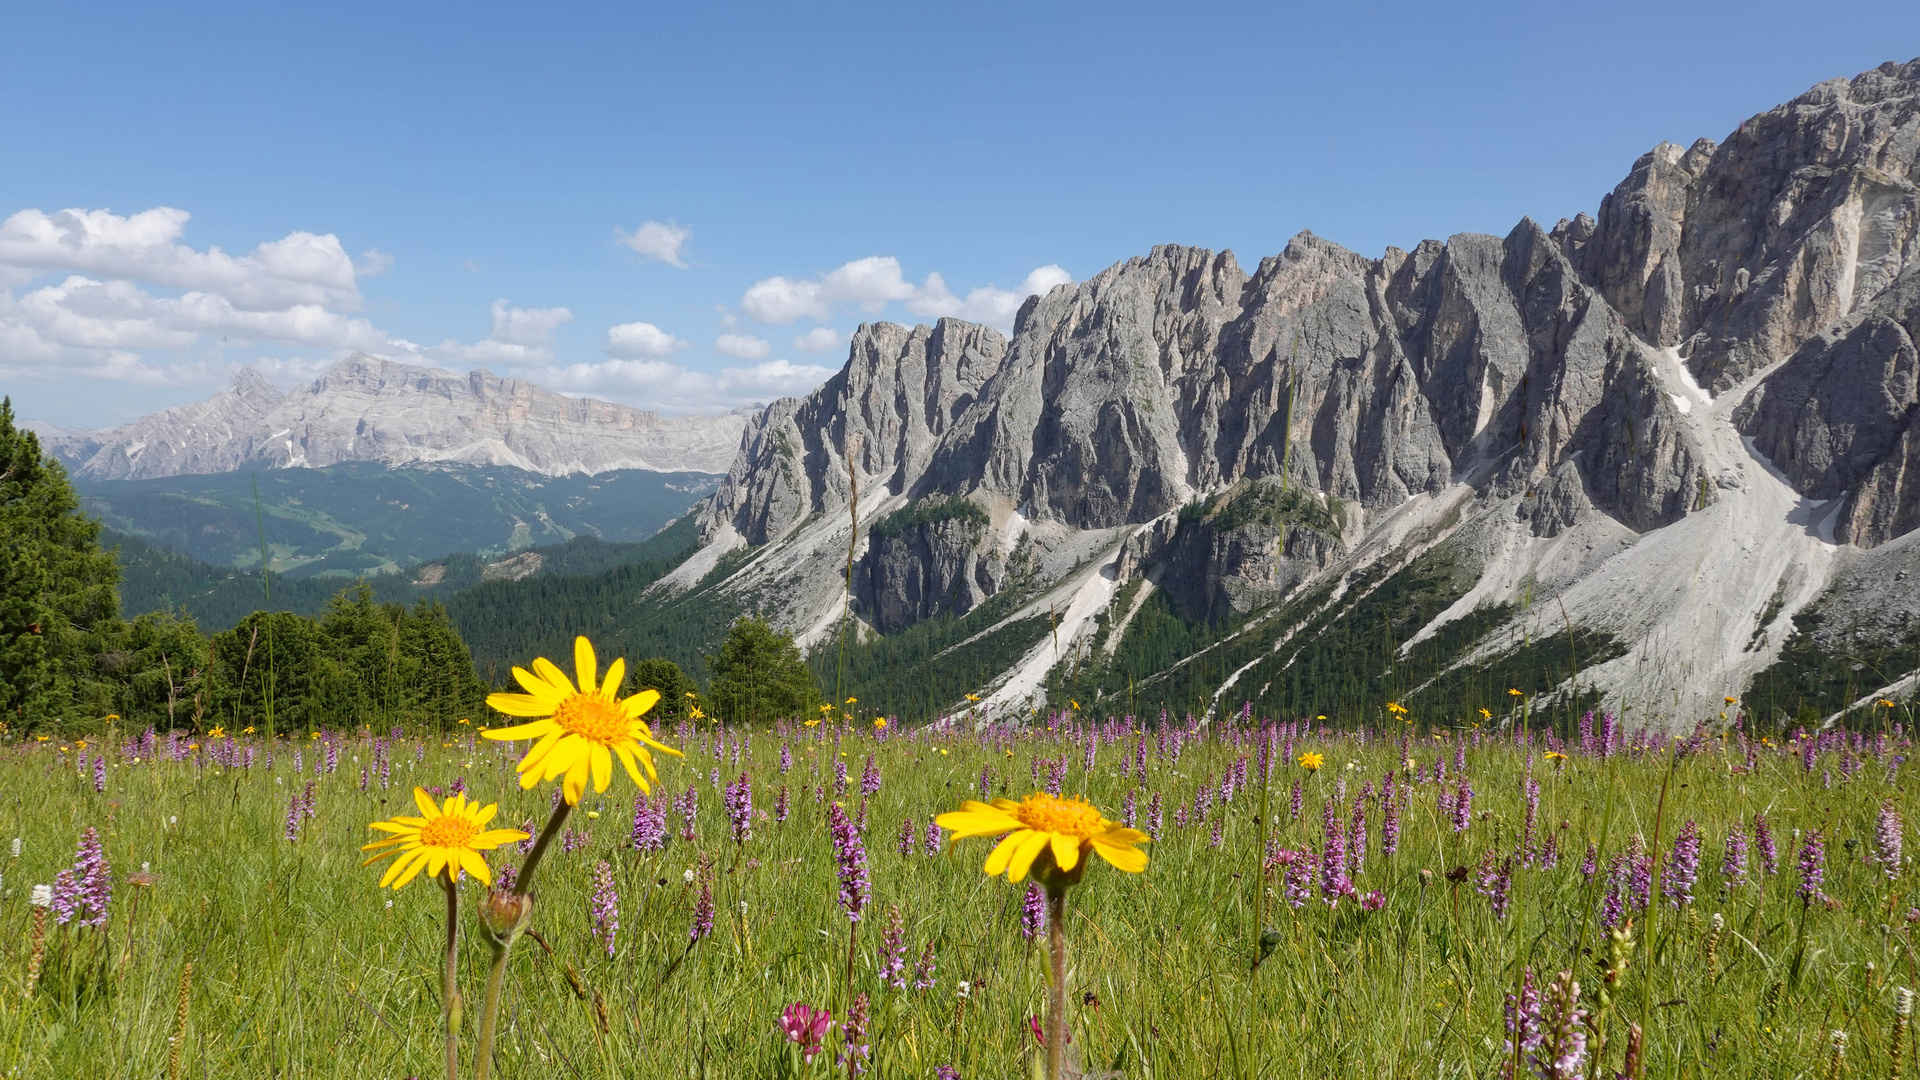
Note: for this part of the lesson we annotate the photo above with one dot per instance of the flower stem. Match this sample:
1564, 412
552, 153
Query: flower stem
501, 939
490, 1010
1057, 993
523, 884
451, 987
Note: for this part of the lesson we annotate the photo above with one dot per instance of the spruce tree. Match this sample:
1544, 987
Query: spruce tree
759, 675
58, 606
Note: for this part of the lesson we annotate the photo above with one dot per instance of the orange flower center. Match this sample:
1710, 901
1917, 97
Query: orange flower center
1067, 817
594, 718
448, 831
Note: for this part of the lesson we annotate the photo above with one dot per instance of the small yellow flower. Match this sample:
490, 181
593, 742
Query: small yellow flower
579, 731
694, 711
1068, 829
1486, 714
692, 694
813, 723
248, 730
447, 838
464, 720
973, 697
1731, 699
1312, 761
111, 716
880, 723
216, 732
1075, 704
313, 734
1515, 693
853, 700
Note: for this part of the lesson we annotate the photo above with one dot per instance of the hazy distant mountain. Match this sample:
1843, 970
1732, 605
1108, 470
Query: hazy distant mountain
1646, 458
367, 409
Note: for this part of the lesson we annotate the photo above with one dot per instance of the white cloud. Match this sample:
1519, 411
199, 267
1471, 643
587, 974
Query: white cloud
373, 262
994, 307
83, 322
873, 282
638, 339
531, 327
868, 283
818, 339
656, 240
299, 268
667, 386
744, 346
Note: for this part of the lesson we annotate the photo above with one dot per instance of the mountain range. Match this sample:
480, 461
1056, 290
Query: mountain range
368, 409
1647, 458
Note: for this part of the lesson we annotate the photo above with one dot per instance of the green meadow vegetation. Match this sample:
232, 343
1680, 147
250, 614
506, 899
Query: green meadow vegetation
240, 856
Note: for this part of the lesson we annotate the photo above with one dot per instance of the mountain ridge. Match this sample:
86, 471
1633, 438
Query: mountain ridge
1668, 426
364, 408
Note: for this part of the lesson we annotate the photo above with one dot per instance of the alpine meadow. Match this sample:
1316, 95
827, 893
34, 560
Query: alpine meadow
1496, 658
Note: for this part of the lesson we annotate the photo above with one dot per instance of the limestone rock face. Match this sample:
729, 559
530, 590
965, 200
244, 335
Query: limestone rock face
897, 396
924, 571
368, 409
1602, 412
1243, 549
1839, 416
1740, 250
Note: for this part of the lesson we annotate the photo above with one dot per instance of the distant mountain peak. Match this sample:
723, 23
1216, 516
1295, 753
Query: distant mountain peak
368, 408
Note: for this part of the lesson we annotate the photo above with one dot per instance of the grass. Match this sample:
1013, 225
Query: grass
302, 968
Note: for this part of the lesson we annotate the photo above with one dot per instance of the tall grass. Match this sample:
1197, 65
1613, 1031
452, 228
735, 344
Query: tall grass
301, 968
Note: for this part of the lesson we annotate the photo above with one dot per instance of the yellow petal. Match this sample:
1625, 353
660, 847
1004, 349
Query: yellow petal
575, 784
602, 767
1002, 852
616, 674
585, 666
493, 838
401, 866
1066, 852
486, 813
518, 731
640, 704
625, 753
557, 679
473, 864
393, 827
1028, 850
1123, 857
425, 802
436, 861
413, 869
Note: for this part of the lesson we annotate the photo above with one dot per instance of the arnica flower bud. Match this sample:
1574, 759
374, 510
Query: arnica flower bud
505, 915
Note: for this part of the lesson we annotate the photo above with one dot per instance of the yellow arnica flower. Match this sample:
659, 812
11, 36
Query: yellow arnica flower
1312, 761
1070, 828
444, 839
580, 730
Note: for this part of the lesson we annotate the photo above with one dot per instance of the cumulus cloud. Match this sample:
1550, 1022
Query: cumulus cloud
532, 327
873, 282
660, 241
818, 339
995, 307
638, 339
667, 386
299, 268
743, 346
869, 283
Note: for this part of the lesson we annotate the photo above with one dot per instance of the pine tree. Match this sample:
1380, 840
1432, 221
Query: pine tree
58, 606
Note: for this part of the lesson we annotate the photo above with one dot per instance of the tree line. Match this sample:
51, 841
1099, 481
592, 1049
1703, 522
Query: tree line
70, 660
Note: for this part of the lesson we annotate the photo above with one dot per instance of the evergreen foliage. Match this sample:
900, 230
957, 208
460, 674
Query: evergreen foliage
927, 511
759, 675
58, 608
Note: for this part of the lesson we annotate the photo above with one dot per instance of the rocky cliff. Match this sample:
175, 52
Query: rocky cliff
1659, 427
367, 409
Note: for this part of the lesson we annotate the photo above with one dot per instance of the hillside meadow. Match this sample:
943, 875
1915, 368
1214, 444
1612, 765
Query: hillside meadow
1730, 904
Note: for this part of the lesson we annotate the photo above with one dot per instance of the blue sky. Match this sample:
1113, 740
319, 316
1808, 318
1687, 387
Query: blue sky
438, 183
